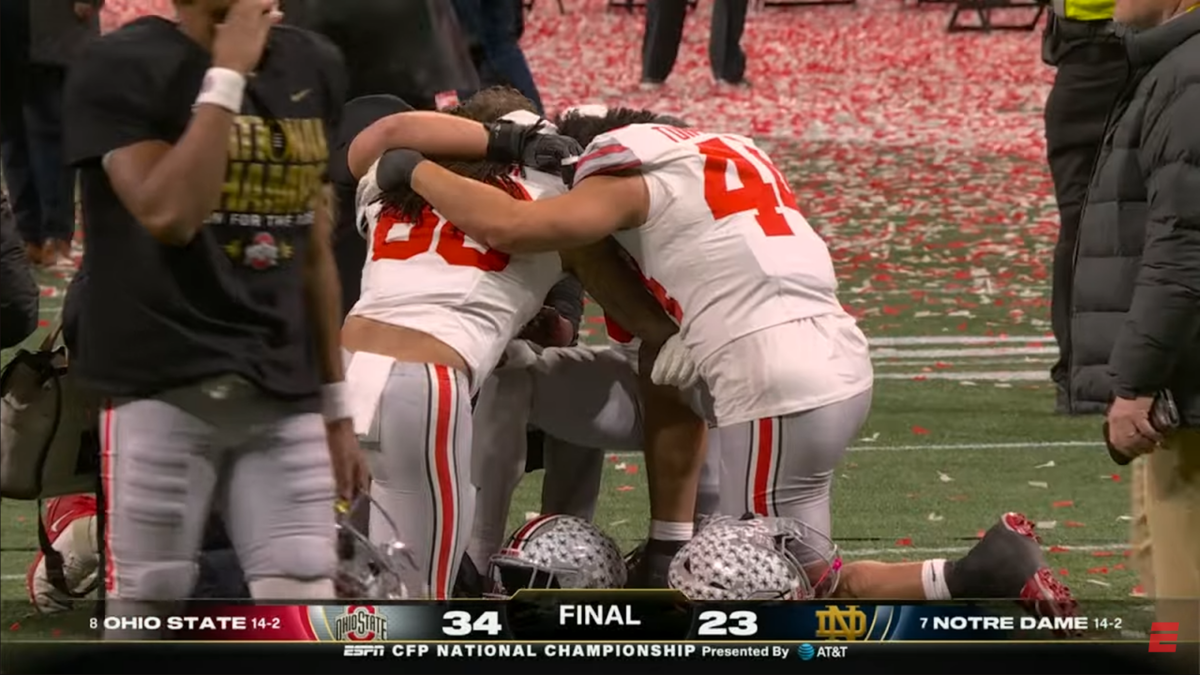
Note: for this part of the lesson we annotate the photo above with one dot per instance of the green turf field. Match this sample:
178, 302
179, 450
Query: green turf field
953, 294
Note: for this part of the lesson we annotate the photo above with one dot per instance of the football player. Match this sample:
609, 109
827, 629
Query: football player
587, 399
716, 233
788, 368
436, 312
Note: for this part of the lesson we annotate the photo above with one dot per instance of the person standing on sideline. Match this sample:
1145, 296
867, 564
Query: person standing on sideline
1080, 41
19, 295
40, 40
664, 32
1136, 299
211, 318
495, 27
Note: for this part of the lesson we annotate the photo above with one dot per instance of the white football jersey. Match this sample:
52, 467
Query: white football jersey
428, 276
724, 248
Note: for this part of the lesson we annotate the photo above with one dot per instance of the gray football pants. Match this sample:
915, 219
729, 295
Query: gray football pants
783, 466
418, 452
166, 461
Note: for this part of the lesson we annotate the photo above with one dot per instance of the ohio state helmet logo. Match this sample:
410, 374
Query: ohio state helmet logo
360, 623
262, 252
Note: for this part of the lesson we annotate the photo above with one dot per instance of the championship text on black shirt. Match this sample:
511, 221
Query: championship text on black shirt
232, 300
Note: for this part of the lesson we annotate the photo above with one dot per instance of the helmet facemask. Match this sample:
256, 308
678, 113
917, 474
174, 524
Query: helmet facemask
386, 571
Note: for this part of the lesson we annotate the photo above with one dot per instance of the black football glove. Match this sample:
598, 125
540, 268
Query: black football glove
396, 168
510, 143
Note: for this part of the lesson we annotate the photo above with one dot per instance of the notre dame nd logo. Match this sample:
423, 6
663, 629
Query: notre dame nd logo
360, 623
836, 623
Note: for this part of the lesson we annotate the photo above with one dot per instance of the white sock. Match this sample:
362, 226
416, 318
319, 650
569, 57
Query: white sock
667, 531
933, 579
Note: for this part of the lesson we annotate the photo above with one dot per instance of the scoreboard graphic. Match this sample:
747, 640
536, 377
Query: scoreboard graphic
620, 631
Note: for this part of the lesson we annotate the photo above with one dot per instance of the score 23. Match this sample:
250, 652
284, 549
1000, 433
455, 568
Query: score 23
715, 623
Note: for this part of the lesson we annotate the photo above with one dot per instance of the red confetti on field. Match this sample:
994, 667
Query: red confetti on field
1102, 554
1097, 570
57, 632
1062, 572
15, 627
920, 431
631, 468
1063, 504
624, 488
905, 541
1059, 549
1074, 523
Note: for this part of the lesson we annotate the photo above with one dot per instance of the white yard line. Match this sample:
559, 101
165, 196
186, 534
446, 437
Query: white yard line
1033, 445
893, 353
1041, 375
893, 550
1005, 363
899, 341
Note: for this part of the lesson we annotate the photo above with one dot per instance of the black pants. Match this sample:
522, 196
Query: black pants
664, 32
1086, 87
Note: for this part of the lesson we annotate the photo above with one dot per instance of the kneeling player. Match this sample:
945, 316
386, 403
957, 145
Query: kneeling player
588, 400
436, 312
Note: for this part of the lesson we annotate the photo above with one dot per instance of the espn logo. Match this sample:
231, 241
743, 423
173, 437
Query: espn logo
378, 650
1163, 636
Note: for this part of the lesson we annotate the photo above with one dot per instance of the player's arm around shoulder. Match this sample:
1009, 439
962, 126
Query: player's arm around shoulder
429, 133
594, 209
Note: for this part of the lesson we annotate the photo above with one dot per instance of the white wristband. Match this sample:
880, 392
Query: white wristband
335, 403
223, 88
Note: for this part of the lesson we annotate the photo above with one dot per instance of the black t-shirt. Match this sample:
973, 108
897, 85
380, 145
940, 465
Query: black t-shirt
232, 300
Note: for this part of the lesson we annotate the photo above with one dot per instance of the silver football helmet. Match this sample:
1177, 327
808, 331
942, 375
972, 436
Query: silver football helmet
367, 570
556, 551
756, 558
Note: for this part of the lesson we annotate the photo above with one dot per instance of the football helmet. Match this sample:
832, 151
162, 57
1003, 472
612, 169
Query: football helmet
386, 571
556, 551
756, 558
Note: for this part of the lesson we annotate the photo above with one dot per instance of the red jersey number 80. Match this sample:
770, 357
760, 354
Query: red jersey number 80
451, 242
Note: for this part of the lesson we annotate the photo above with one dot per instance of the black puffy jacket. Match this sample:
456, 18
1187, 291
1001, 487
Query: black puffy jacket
1135, 307
18, 291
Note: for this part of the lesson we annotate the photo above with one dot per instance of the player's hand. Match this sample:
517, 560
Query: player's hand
510, 143
548, 329
1129, 427
548, 152
241, 38
350, 473
518, 355
674, 366
396, 168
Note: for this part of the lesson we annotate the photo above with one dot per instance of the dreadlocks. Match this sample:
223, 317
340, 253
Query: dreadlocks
489, 105
585, 128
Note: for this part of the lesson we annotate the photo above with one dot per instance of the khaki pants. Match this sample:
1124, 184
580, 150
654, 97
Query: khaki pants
1166, 530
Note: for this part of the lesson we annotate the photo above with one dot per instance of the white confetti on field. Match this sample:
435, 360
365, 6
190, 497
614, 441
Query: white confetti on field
945, 478
1039, 484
